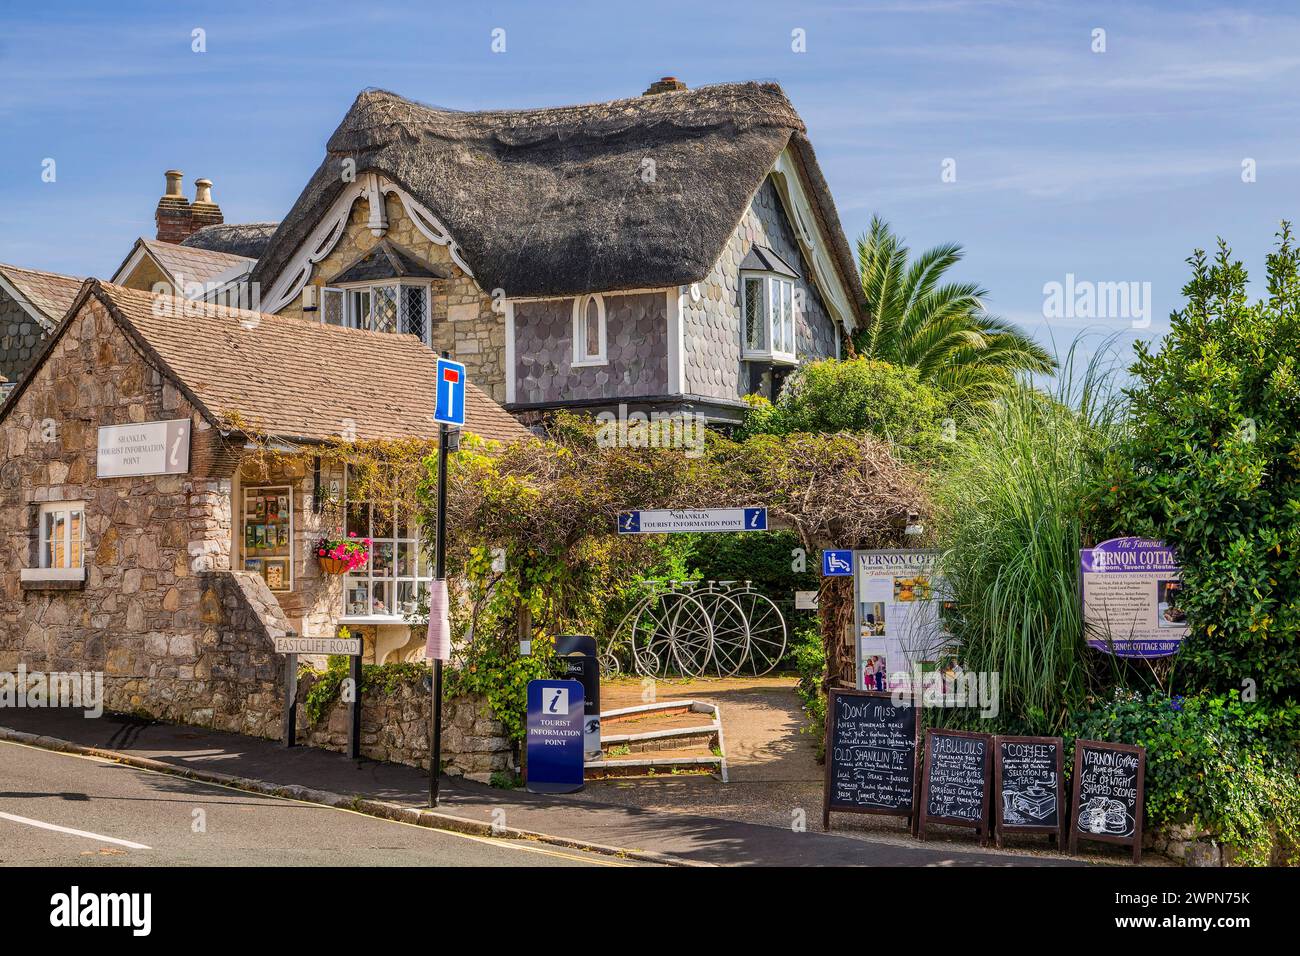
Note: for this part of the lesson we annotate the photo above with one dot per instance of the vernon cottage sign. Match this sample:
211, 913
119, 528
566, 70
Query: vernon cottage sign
147, 448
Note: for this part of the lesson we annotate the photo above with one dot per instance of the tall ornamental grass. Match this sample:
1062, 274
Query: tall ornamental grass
1013, 507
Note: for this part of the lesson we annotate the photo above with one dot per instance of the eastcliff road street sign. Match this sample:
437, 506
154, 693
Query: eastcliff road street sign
318, 645
676, 521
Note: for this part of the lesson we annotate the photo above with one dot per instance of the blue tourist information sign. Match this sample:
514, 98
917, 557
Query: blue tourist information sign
555, 736
1131, 591
682, 520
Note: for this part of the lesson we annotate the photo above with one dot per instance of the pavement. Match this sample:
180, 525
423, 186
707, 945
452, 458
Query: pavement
61, 809
399, 793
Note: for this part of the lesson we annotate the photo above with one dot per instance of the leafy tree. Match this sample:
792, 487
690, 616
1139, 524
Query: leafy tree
1212, 467
938, 328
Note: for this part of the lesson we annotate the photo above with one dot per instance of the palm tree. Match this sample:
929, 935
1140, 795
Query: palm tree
941, 330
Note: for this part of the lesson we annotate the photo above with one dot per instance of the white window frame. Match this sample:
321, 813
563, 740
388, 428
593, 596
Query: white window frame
421, 576
581, 359
327, 291
67, 509
353, 321
780, 319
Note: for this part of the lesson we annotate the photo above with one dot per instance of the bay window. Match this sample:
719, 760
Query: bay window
768, 318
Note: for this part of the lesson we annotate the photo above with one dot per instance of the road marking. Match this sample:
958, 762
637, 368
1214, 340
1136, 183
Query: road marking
81, 833
591, 858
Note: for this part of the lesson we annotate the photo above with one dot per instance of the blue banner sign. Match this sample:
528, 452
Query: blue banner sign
555, 736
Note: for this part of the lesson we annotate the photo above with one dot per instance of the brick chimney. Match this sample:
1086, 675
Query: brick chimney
173, 214
204, 211
667, 84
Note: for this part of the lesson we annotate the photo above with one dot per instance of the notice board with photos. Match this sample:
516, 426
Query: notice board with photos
1132, 592
267, 534
897, 600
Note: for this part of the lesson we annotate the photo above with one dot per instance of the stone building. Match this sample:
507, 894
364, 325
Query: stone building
136, 539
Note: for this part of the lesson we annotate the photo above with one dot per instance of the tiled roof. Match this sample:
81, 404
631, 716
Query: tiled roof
194, 265
50, 293
295, 378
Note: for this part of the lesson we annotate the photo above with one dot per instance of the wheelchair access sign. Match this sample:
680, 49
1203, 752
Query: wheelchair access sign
837, 564
680, 521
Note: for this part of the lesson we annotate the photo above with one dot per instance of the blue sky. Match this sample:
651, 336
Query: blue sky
1110, 166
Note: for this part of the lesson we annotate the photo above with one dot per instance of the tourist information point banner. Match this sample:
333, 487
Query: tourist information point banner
1131, 591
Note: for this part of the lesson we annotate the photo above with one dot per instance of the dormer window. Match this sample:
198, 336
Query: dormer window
767, 308
388, 289
589, 330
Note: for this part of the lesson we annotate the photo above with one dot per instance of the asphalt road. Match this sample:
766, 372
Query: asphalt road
65, 810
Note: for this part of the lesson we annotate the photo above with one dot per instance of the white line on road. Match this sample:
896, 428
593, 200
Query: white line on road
81, 833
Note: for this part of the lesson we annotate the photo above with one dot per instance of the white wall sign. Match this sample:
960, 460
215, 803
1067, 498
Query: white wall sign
806, 600
679, 520
318, 645
147, 448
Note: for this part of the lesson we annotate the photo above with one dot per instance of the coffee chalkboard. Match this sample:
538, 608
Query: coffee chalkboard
1029, 794
1108, 794
870, 755
955, 785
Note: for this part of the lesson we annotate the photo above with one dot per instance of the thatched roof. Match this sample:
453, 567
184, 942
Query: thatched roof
247, 239
554, 201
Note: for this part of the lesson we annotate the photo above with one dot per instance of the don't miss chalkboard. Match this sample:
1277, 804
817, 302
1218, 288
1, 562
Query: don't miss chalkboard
1108, 792
955, 787
870, 754
1030, 791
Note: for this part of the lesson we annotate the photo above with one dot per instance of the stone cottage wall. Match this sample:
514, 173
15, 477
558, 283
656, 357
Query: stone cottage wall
395, 727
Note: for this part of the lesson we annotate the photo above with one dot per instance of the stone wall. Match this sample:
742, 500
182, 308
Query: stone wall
395, 728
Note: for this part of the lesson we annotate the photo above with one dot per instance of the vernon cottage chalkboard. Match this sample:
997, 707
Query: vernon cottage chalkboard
957, 779
870, 755
1108, 794
1029, 787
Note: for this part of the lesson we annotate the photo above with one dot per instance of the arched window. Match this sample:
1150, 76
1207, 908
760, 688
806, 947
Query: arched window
589, 330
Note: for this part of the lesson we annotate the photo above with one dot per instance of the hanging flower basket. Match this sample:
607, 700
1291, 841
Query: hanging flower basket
341, 555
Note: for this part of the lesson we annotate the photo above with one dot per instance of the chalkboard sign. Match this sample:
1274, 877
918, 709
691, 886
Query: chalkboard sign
1108, 794
955, 785
1030, 787
870, 755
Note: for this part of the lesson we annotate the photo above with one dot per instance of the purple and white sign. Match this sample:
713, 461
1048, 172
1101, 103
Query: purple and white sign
1131, 598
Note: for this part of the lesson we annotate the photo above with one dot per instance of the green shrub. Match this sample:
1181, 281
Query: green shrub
1213, 762
810, 661
1212, 467
856, 395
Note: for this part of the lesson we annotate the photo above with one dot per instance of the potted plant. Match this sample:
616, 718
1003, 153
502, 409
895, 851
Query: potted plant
340, 555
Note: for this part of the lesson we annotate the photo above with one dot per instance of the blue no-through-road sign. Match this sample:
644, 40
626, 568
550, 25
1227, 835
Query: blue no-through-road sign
449, 407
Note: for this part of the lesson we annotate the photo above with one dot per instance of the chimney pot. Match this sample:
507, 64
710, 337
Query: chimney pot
174, 178
202, 190
206, 212
666, 84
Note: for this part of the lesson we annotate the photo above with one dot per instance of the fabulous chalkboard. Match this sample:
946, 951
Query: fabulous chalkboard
1108, 794
870, 755
956, 782
1030, 787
